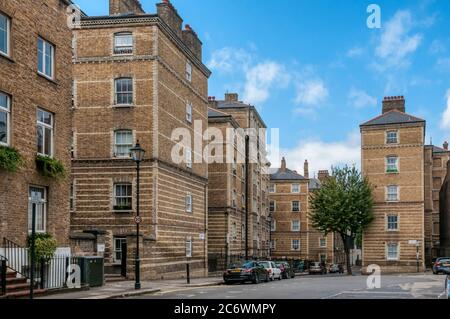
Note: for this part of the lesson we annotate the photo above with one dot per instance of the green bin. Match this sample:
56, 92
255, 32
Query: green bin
92, 271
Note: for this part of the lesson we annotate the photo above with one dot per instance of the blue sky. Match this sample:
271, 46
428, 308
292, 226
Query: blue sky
316, 71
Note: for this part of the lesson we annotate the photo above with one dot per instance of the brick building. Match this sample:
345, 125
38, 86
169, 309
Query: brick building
407, 176
227, 200
35, 116
292, 235
138, 77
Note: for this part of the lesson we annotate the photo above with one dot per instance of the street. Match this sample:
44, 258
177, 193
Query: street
318, 287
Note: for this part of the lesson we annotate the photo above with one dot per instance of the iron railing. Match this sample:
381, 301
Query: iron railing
17, 257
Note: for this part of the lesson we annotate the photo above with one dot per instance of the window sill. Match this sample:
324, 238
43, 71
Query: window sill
393, 172
123, 106
47, 78
116, 211
7, 57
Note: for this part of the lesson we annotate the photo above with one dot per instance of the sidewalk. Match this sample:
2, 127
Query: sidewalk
126, 288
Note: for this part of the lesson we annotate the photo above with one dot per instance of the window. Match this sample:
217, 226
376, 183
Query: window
188, 157
4, 34
323, 258
123, 142
273, 225
272, 206
119, 243
392, 164
189, 203
188, 71
243, 200
44, 133
189, 247
124, 91
296, 206
322, 242
122, 197
273, 244
392, 251
392, 193
72, 197
392, 137
37, 206
295, 226
295, 188
272, 188
234, 231
295, 244
123, 43
392, 222
234, 199
5, 110
46, 52
189, 112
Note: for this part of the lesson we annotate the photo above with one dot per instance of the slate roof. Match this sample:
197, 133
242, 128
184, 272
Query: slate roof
437, 149
314, 183
393, 117
288, 175
213, 113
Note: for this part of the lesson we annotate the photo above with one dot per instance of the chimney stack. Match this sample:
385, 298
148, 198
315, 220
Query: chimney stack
190, 38
123, 7
306, 169
323, 175
168, 13
231, 97
212, 102
446, 145
283, 165
394, 103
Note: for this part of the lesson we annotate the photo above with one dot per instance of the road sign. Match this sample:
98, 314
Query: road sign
138, 219
413, 242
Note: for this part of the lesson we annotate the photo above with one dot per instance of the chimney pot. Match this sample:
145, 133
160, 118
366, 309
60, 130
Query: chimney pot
283, 165
306, 169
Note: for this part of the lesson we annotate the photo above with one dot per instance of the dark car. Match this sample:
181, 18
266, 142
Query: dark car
246, 271
441, 265
286, 270
317, 268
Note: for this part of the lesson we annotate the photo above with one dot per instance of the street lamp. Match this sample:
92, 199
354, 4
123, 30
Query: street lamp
137, 154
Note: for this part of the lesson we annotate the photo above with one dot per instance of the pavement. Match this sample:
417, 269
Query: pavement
125, 289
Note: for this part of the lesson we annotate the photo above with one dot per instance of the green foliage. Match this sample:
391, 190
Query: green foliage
45, 246
50, 167
10, 159
343, 205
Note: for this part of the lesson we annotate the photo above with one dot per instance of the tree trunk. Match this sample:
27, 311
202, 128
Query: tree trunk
346, 240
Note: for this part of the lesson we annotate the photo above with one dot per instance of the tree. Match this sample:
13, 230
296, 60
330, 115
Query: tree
343, 205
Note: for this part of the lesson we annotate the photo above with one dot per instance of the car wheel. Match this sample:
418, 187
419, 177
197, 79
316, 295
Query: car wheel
268, 278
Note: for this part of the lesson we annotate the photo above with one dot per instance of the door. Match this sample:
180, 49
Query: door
123, 267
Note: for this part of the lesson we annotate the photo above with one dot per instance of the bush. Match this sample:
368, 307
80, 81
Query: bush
45, 246
10, 159
50, 167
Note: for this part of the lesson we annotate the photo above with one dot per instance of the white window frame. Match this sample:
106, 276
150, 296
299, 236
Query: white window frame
389, 140
272, 188
293, 188
7, 110
45, 43
117, 145
392, 167
116, 92
117, 47
116, 197
189, 247
188, 71
397, 245
388, 193
294, 229
234, 199
189, 203
293, 246
273, 225
44, 126
396, 223
189, 112
8, 36
43, 206
118, 249
188, 158
321, 240
299, 206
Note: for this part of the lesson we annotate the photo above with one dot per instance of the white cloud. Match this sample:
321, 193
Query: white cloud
228, 60
397, 41
322, 155
311, 92
261, 79
354, 52
443, 64
445, 121
360, 98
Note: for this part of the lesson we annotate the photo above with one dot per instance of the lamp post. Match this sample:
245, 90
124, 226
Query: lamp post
137, 154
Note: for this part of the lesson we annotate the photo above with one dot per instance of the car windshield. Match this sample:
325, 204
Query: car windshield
265, 264
241, 265
444, 261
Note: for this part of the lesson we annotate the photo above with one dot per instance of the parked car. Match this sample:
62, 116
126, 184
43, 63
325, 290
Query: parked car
336, 268
317, 268
299, 266
286, 270
247, 271
441, 265
272, 269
